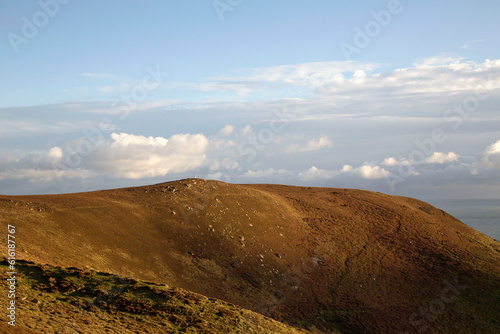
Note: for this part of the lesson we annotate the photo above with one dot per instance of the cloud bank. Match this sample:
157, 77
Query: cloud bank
434, 123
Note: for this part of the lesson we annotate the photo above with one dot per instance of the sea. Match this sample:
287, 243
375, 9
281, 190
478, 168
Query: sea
480, 214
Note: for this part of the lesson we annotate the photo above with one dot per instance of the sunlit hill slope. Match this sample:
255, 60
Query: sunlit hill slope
318, 259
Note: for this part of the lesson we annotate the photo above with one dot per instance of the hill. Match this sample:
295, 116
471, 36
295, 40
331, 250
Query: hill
69, 300
334, 259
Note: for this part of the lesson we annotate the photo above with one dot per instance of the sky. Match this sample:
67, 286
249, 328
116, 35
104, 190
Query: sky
396, 96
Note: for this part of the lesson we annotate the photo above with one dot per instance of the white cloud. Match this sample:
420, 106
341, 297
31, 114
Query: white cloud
39, 166
227, 130
125, 139
493, 148
312, 145
45, 175
264, 173
346, 168
367, 172
310, 74
393, 162
438, 75
126, 156
315, 173
491, 156
440, 158
134, 157
56, 152
375, 117
264, 79
371, 172
333, 90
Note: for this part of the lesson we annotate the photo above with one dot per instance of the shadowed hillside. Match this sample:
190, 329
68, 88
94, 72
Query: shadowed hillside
335, 259
57, 300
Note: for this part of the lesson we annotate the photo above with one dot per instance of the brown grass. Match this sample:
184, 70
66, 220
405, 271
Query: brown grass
59, 300
343, 259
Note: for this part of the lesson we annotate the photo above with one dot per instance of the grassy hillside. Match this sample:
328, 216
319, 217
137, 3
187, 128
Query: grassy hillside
59, 300
335, 259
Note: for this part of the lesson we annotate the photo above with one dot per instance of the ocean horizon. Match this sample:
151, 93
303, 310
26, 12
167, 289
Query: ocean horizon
480, 214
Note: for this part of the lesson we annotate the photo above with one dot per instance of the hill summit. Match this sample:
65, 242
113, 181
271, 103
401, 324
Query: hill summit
315, 259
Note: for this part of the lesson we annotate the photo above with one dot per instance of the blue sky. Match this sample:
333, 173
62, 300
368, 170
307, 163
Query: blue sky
400, 97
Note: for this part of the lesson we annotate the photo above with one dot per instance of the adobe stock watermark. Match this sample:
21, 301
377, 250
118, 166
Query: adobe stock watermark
224, 6
372, 29
48, 10
422, 320
11, 281
93, 137
425, 148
